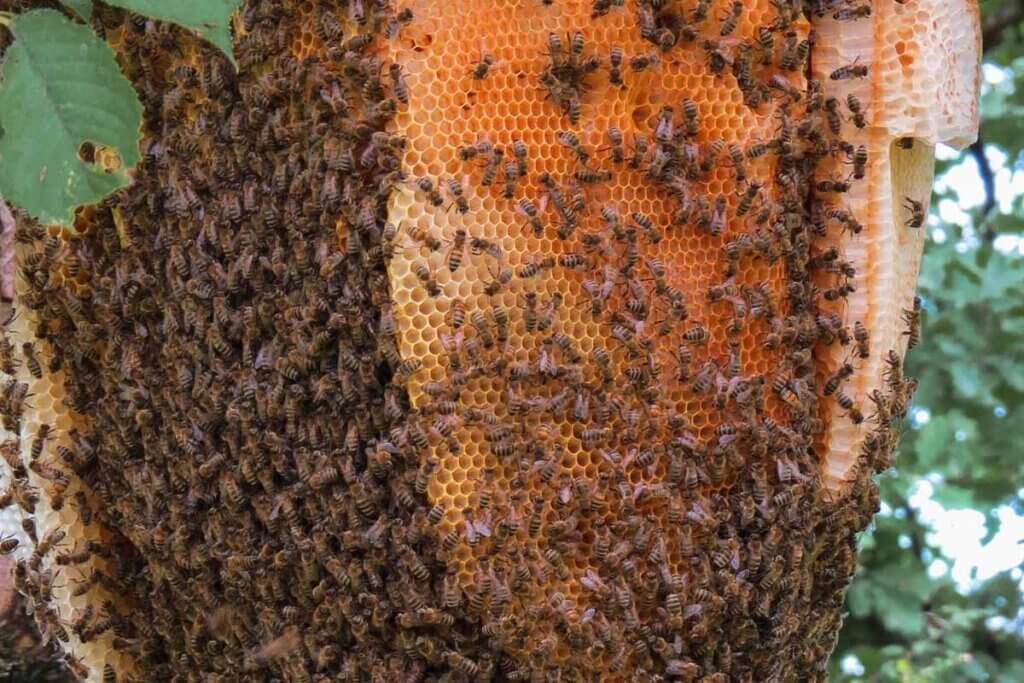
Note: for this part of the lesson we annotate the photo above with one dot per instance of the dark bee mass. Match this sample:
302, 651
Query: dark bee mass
227, 330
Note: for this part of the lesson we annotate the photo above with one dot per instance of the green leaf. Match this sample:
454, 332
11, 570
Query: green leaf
62, 88
967, 379
211, 19
82, 8
933, 439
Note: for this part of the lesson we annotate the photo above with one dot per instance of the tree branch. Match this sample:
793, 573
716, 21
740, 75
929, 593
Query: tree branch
988, 181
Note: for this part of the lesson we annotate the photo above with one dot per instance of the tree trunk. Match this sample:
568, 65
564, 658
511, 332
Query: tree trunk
458, 345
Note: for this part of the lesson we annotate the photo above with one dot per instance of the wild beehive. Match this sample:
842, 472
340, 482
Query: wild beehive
457, 341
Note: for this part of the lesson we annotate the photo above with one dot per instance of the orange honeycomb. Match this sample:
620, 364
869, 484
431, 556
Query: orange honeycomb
449, 109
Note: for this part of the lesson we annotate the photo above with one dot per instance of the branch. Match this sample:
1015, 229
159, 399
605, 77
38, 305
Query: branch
1008, 16
988, 180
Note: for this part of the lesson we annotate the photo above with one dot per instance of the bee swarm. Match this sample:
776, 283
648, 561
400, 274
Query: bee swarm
527, 340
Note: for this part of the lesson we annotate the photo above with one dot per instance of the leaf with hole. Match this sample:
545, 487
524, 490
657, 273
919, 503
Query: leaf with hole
61, 94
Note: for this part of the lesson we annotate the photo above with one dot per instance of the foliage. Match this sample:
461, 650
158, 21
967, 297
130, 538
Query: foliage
54, 77
902, 624
63, 98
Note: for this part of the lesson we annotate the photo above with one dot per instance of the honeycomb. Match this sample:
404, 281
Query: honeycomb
63, 511
921, 88
450, 109
398, 366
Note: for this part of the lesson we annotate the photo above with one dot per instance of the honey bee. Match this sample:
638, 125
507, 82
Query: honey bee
520, 152
766, 41
455, 189
912, 319
784, 85
748, 197
574, 109
50, 541
84, 509
842, 374
28, 525
698, 334
533, 268
599, 8
588, 175
716, 59
618, 150
640, 147
853, 104
615, 66
642, 62
700, 11
422, 272
905, 143
860, 336
860, 161
852, 13
847, 404
511, 177
788, 59
576, 45
457, 250
732, 18
470, 152
835, 121
717, 218
529, 209
483, 66
426, 186
467, 667
395, 25
491, 169
917, 213
479, 322
832, 185
421, 237
8, 362
31, 360
690, 116
572, 141
499, 281
849, 71
8, 545
398, 84
40, 439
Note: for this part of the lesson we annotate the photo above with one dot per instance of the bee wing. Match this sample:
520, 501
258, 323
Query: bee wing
613, 457
591, 581
565, 495
692, 610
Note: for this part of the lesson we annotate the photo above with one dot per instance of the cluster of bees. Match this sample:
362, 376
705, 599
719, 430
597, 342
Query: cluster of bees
23, 657
226, 331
